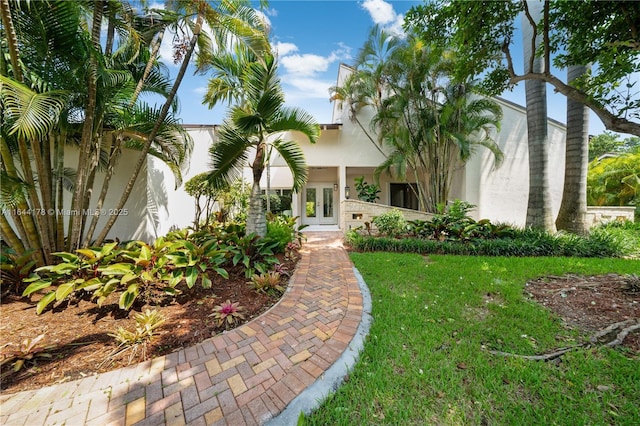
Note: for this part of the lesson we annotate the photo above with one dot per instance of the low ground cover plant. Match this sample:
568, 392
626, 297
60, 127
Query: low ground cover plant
453, 231
432, 353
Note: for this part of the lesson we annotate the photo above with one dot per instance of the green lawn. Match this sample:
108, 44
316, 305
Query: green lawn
424, 360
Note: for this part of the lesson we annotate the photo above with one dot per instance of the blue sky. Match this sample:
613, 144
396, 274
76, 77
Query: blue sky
312, 38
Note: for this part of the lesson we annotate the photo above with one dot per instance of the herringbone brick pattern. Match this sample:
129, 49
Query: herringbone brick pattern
243, 377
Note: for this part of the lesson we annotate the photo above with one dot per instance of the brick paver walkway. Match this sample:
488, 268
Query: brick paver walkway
243, 377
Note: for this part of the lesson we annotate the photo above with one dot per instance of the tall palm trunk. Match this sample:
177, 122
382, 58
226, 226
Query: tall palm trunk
117, 145
25, 223
86, 143
155, 48
163, 114
256, 220
539, 213
572, 216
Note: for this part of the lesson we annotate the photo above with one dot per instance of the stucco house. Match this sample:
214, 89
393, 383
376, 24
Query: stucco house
342, 154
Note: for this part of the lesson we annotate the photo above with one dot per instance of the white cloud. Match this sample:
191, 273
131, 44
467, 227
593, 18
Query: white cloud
307, 64
201, 90
298, 88
382, 14
283, 49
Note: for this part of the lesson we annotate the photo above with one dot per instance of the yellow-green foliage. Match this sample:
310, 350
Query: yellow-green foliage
614, 181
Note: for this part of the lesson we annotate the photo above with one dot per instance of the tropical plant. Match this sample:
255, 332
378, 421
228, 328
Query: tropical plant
28, 351
391, 223
14, 269
283, 229
62, 88
267, 283
425, 120
366, 191
135, 270
228, 314
251, 251
614, 181
136, 341
199, 188
258, 124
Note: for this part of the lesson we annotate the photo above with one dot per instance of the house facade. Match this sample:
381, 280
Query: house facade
344, 153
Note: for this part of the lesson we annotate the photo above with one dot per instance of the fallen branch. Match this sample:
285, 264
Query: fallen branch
604, 337
544, 357
622, 335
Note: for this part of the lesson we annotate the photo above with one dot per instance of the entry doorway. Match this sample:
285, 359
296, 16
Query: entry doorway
319, 204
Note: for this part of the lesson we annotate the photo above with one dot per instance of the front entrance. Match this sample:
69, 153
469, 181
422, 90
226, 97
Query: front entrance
318, 205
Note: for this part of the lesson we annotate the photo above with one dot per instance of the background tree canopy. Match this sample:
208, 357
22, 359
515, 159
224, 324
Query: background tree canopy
603, 33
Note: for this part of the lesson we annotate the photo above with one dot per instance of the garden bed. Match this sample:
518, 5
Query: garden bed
79, 331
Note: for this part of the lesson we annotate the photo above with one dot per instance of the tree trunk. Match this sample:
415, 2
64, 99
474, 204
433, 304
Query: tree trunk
539, 213
12, 40
155, 48
163, 114
572, 216
75, 220
256, 220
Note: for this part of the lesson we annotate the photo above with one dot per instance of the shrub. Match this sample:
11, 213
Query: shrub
133, 270
28, 351
281, 229
391, 223
366, 192
14, 269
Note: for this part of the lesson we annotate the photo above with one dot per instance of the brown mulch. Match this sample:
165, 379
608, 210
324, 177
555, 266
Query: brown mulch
79, 331
591, 303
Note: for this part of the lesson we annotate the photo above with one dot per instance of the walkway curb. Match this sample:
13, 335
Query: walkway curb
312, 397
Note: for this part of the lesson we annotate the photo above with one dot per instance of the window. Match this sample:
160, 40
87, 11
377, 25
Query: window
404, 195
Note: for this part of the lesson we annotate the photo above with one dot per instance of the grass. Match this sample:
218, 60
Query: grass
424, 363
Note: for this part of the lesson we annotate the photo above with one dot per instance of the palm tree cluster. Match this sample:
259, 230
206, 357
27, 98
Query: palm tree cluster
425, 122
66, 86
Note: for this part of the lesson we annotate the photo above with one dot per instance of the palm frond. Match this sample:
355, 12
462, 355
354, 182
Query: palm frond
296, 119
31, 115
229, 155
293, 155
13, 191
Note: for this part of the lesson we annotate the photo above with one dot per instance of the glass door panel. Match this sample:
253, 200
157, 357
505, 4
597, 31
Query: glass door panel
319, 205
327, 202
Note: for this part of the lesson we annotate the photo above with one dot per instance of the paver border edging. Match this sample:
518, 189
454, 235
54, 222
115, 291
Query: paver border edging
313, 396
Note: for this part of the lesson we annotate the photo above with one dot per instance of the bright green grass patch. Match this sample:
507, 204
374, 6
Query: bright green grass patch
425, 359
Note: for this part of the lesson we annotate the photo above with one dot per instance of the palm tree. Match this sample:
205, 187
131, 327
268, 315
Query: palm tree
572, 216
539, 213
254, 125
427, 121
231, 19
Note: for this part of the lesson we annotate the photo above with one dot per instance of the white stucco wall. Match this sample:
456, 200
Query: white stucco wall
502, 194
170, 206
131, 223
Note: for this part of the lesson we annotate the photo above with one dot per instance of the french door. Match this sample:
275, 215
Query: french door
318, 205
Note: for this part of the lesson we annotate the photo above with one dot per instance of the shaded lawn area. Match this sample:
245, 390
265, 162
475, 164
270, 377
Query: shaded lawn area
426, 358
